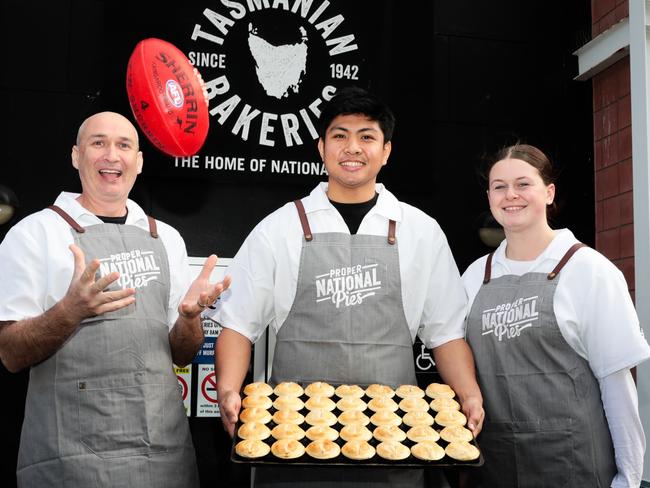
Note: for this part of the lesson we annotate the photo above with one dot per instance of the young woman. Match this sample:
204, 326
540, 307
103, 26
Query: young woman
554, 334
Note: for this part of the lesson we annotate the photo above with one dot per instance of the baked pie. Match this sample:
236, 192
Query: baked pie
385, 418
323, 449
258, 388
286, 402
320, 417
438, 390
409, 391
351, 403
428, 451
287, 449
421, 433
288, 417
393, 450
418, 418
319, 388
382, 403
320, 402
462, 451
442, 403
288, 388
389, 433
450, 417
456, 433
322, 433
414, 405
257, 401
253, 430
287, 431
343, 391
252, 448
254, 414
356, 432
353, 417
376, 391
358, 450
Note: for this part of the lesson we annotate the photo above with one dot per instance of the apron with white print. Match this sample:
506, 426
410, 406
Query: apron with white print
105, 410
544, 425
346, 326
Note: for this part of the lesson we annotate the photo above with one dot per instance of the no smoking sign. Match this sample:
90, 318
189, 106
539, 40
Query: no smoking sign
207, 402
209, 388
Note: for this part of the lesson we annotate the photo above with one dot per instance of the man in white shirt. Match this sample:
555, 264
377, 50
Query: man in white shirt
96, 300
346, 277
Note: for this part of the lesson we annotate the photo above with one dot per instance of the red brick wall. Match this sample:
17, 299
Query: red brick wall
605, 13
613, 149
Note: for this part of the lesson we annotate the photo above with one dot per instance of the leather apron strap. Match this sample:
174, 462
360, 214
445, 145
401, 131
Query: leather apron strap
153, 229
306, 230
488, 264
488, 269
72, 222
565, 259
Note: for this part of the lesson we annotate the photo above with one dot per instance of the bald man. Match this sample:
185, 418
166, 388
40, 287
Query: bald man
96, 299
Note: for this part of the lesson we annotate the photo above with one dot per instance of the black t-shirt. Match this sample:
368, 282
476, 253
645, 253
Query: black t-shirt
353, 213
114, 220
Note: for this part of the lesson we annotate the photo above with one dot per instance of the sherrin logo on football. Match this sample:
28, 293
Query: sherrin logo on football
174, 93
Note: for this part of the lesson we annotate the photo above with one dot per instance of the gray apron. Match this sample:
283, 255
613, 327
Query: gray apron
545, 425
346, 325
105, 409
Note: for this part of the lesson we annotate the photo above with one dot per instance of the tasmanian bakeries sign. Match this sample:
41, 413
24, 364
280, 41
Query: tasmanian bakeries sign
284, 45
269, 65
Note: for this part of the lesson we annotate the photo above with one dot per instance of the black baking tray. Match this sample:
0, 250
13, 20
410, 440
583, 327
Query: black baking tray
375, 462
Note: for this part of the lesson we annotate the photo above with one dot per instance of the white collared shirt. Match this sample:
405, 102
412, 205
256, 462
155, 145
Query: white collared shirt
36, 263
592, 305
596, 317
265, 269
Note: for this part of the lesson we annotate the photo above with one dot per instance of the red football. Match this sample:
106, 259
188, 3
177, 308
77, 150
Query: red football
166, 98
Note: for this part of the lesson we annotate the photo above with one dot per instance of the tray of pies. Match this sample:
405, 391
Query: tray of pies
320, 424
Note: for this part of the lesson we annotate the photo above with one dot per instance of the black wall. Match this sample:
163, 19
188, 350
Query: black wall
463, 78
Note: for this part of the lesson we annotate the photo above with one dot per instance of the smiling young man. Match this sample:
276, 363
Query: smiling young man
96, 300
354, 151
346, 277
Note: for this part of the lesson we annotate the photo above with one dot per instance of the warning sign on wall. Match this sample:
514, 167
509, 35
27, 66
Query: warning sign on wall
206, 397
184, 377
205, 394
211, 331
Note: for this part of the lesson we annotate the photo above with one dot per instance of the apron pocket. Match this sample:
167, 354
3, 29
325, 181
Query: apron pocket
544, 451
528, 454
121, 415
